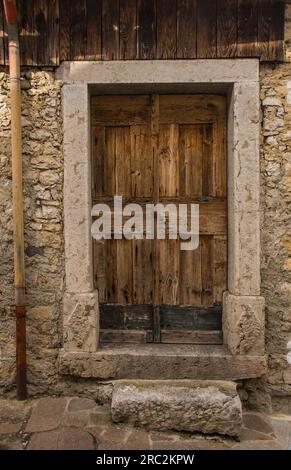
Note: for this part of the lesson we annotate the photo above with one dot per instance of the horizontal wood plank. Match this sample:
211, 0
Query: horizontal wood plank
176, 317
126, 317
191, 337
125, 336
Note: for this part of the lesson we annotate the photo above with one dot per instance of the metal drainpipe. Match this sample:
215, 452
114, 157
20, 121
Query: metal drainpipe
17, 191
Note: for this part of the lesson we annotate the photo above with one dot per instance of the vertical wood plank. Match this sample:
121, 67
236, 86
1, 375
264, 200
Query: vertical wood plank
146, 32
226, 28
190, 160
206, 29
54, 27
207, 162
247, 34
99, 268
93, 14
142, 170
168, 160
41, 31
219, 267
142, 271
186, 29
271, 29
124, 271
110, 29
207, 269
155, 117
78, 30
123, 162
65, 29
190, 282
111, 270
98, 161
169, 259
128, 30
2, 41
46, 31
27, 38
166, 29
219, 157
110, 161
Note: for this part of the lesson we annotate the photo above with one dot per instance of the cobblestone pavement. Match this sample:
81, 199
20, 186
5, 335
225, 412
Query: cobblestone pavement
81, 424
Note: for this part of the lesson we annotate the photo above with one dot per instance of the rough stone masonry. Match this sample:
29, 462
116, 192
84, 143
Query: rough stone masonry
44, 244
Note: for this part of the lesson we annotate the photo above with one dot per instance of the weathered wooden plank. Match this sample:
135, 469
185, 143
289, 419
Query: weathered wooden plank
155, 129
111, 272
219, 158
190, 160
247, 34
98, 161
226, 28
2, 41
271, 29
126, 317
190, 282
124, 271
110, 29
191, 109
54, 32
123, 161
206, 29
146, 32
65, 29
125, 336
27, 38
169, 160
213, 213
175, 317
46, 32
78, 30
219, 267
208, 186
94, 28
166, 29
186, 29
99, 268
128, 29
110, 161
142, 164
122, 110
191, 337
207, 269
143, 282
169, 262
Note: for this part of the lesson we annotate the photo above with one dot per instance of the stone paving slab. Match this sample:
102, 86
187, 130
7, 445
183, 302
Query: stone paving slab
46, 415
81, 424
282, 428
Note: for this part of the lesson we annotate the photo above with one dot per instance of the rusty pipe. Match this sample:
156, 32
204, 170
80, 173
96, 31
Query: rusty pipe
17, 195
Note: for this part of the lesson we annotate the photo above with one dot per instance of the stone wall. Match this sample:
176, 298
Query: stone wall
276, 220
43, 181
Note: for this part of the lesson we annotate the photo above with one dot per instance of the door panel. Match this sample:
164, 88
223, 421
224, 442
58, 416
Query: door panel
167, 149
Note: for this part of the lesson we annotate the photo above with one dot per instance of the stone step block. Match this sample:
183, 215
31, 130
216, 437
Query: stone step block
209, 407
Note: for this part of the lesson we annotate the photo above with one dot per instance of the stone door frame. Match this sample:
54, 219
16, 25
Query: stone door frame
243, 307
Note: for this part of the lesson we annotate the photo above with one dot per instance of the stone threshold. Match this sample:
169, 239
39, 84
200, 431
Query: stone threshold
162, 361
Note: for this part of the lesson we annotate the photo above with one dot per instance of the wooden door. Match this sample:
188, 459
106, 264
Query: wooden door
167, 149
